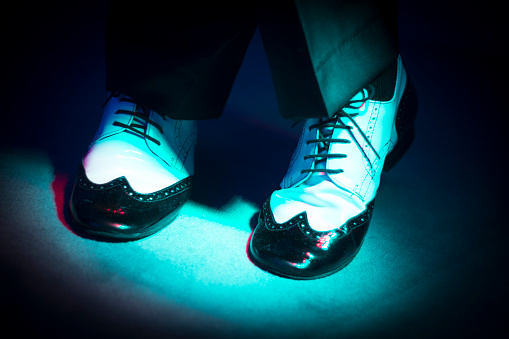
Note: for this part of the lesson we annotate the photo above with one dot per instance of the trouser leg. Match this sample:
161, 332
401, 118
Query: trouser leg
180, 61
183, 62
322, 52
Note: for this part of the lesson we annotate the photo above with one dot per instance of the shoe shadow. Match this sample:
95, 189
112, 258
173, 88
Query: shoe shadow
248, 160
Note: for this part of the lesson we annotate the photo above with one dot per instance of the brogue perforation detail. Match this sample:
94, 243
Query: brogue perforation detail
301, 222
271, 224
358, 220
163, 194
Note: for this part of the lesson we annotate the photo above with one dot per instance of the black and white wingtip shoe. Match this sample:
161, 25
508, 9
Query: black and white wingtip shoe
136, 175
315, 224
295, 250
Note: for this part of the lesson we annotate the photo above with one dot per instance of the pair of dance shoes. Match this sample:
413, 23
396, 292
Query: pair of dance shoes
138, 172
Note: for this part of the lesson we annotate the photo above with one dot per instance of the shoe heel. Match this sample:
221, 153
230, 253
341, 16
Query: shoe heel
405, 119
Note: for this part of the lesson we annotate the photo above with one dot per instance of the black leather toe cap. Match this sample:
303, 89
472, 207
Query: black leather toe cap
114, 210
294, 250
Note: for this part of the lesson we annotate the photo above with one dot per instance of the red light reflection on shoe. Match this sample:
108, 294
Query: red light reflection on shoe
305, 262
119, 226
323, 241
58, 186
119, 211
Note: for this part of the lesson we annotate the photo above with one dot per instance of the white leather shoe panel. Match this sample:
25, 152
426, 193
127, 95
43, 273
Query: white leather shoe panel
362, 165
331, 199
106, 161
327, 207
107, 128
377, 123
148, 166
178, 149
293, 175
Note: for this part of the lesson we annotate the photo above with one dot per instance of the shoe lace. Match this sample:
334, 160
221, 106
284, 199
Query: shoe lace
141, 120
326, 128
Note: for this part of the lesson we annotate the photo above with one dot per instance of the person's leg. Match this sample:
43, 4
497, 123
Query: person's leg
165, 69
179, 60
322, 52
315, 224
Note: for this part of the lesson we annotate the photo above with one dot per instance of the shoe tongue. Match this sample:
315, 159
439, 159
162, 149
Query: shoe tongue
357, 108
317, 177
139, 122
